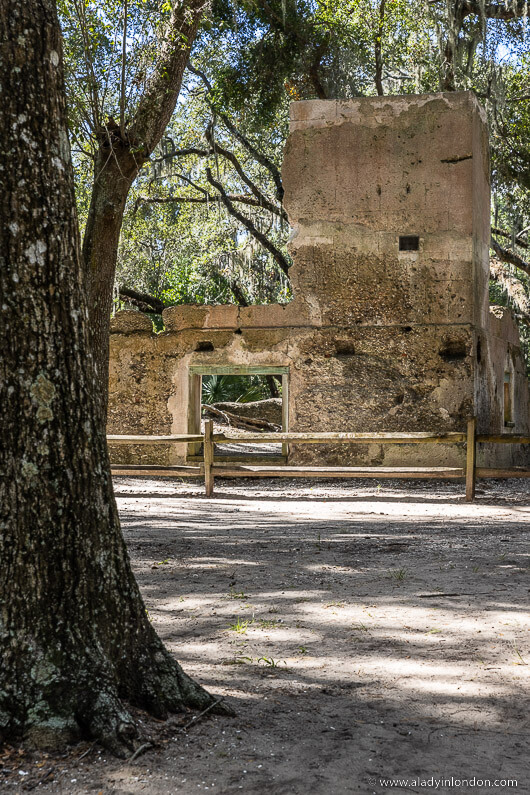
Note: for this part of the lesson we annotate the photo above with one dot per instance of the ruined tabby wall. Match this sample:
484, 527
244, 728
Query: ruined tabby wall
376, 338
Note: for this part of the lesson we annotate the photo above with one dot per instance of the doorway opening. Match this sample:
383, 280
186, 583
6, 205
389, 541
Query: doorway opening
231, 387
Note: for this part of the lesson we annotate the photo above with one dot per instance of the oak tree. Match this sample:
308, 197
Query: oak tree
76, 642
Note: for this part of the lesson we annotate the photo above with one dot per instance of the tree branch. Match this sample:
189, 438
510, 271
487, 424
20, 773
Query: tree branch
193, 200
505, 255
258, 156
463, 9
123, 62
157, 104
144, 301
494, 10
490, 11
314, 66
80, 11
282, 24
507, 235
513, 288
262, 199
192, 150
189, 181
247, 223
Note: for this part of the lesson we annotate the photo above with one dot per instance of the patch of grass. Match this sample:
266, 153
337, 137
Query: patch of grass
271, 662
398, 575
241, 626
302, 650
268, 624
237, 594
521, 660
240, 659
360, 628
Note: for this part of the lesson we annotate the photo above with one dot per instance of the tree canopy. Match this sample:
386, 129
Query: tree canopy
203, 220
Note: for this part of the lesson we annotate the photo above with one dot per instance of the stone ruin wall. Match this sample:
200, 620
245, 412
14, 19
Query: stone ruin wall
376, 338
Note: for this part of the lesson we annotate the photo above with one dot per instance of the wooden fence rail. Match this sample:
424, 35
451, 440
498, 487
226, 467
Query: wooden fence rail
154, 469
209, 469
345, 438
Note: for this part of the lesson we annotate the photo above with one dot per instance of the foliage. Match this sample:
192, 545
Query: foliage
94, 35
234, 388
322, 50
180, 241
185, 252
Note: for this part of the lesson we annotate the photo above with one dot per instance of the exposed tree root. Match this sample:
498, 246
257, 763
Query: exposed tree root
64, 708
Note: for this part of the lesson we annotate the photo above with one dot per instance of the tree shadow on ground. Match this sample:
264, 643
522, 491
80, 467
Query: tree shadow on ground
356, 634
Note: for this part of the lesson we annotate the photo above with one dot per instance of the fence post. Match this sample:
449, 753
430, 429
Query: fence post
471, 459
208, 457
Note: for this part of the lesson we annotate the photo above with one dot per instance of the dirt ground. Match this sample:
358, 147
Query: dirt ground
361, 632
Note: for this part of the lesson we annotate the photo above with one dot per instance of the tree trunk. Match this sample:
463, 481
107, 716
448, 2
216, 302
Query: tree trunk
273, 386
456, 14
120, 156
379, 50
75, 639
114, 173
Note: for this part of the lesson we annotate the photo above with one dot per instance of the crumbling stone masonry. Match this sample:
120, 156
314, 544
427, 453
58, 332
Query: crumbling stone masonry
390, 328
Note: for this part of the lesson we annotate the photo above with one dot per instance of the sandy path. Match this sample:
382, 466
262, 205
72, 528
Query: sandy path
360, 633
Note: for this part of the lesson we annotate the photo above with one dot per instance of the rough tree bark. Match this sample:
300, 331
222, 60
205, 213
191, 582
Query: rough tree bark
76, 643
120, 155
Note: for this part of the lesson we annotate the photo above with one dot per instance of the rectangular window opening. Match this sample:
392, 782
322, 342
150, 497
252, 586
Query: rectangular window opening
409, 243
508, 401
233, 387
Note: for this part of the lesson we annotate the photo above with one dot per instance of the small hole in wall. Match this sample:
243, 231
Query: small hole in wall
407, 328
344, 348
409, 243
204, 346
238, 331
453, 351
398, 400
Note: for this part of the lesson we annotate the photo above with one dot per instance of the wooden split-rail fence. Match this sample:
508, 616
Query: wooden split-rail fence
209, 469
